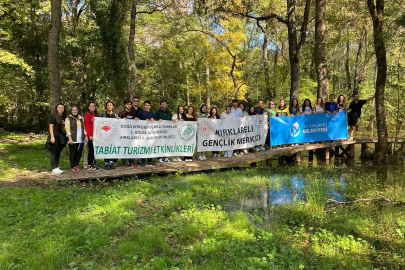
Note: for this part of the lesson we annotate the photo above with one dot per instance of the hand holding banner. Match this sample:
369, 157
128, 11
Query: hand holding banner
231, 134
308, 128
118, 138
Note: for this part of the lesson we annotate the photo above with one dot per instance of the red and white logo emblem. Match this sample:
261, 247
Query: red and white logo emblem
204, 128
105, 131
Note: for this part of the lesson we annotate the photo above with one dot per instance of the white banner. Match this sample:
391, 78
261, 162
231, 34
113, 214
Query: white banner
118, 138
231, 134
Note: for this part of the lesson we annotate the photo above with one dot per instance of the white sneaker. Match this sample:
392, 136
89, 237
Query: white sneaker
200, 157
57, 171
235, 154
241, 153
292, 145
166, 160
214, 155
174, 159
351, 138
306, 143
179, 160
245, 151
225, 154
262, 148
204, 158
160, 160
218, 155
257, 149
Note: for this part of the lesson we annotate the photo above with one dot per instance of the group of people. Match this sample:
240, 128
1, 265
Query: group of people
77, 131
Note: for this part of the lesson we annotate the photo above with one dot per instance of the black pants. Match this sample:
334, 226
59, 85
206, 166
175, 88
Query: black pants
91, 159
75, 154
56, 149
268, 138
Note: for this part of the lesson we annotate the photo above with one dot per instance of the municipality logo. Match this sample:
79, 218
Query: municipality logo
295, 130
187, 132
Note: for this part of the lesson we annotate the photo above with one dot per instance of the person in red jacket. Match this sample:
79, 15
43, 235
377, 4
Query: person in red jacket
89, 128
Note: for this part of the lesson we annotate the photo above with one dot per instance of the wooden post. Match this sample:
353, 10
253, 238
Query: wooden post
311, 155
327, 153
337, 148
298, 157
351, 151
363, 149
390, 148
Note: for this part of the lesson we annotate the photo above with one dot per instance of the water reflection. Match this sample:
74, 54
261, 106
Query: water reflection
286, 191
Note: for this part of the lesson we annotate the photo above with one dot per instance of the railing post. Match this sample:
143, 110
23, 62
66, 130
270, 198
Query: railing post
351, 151
298, 157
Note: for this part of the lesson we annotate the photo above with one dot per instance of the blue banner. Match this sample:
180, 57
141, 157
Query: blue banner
308, 128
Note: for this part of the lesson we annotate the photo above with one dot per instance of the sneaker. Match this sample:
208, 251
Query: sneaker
107, 167
218, 155
174, 159
306, 143
214, 155
235, 154
74, 170
200, 157
266, 146
151, 163
257, 149
204, 158
112, 166
95, 167
57, 171
351, 138
262, 148
166, 160
241, 153
132, 165
160, 160
245, 151
179, 159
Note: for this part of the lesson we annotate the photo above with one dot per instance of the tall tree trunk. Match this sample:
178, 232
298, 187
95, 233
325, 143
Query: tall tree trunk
266, 61
347, 64
207, 82
53, 53
132, 88
376, 8
275, 70
320, 59
357, 80
295, 47
293, 51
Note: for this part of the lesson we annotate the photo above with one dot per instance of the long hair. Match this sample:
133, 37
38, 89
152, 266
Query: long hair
344, 99
297, 107
251, 113
303, 105
321, 101
216, 113
178, 112
193, 114
58, 118
88, 110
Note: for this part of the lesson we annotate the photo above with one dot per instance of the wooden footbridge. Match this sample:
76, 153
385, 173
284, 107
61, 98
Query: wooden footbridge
341, 149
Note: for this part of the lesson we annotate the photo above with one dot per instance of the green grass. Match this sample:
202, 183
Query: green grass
218, 220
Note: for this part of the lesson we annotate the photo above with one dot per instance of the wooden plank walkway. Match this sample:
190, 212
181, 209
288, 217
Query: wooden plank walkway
207, 165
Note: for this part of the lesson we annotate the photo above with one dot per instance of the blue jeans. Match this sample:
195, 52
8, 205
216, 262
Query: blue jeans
124, 161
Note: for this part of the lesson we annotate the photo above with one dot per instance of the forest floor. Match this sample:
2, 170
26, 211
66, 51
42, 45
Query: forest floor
265, 218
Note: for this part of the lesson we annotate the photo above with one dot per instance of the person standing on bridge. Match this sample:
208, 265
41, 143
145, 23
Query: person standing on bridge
147, 115
126, 114
214, 115
76, 137
163, 114
227, 115
178, 116
271, 112
89, 128
109, 164
355, 113
330, 106
190, 116
202, 114
259, 110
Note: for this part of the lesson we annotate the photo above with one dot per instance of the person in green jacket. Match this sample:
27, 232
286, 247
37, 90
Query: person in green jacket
163, 114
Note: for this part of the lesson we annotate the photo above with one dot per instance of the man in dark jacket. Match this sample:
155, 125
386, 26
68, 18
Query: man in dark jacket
163, 114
